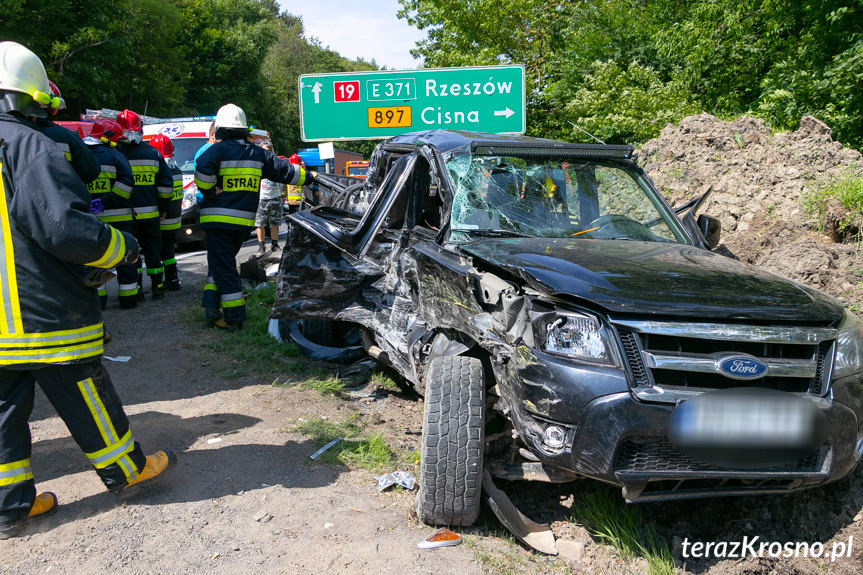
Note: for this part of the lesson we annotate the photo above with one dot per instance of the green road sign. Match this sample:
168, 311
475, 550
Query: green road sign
375, 105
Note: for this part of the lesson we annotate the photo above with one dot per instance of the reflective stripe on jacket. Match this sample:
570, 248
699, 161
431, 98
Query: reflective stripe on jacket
174, 211
234, 169
47, 314
154, 185
114, 184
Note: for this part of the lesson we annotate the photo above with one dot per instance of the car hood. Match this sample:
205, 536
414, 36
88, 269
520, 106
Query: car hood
655, 278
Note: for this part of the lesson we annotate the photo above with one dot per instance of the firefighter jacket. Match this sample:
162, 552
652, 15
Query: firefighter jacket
234, 169
154, 185
114, 185
86, 165
174, 213
47, 314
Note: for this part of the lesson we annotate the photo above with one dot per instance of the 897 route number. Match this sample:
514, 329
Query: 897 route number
390, 117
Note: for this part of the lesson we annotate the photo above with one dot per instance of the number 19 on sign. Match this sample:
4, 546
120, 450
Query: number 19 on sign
347, 91
390, 117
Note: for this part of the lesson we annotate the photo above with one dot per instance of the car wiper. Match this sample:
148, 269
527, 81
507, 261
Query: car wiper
493, 233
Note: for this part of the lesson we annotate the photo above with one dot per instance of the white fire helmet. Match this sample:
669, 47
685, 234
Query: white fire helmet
231, 116
22, 71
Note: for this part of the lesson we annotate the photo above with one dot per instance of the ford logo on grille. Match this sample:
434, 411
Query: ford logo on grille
741, 367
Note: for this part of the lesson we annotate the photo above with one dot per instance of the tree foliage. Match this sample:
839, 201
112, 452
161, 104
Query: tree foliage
779, 59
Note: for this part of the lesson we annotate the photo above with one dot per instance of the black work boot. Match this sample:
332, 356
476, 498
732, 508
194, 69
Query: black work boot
157, 290
172, 282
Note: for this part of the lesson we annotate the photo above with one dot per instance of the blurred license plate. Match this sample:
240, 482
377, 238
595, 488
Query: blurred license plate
738, 417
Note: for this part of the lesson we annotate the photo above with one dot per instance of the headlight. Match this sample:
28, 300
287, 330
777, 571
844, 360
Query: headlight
189, 199
577, 335
849, 347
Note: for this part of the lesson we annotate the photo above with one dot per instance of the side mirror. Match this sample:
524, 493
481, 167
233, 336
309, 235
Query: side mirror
710, 228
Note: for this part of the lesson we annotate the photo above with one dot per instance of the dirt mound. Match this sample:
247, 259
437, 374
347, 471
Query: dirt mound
759, 183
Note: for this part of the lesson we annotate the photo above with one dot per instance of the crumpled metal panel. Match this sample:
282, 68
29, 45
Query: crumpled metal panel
317, 280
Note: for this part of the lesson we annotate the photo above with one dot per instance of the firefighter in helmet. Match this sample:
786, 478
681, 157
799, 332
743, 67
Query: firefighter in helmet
294, 194
51, 322
169, 222
111, 200
228, 174
154, 190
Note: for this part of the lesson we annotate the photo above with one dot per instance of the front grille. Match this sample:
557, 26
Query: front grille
668, 360
668, 378
657, 455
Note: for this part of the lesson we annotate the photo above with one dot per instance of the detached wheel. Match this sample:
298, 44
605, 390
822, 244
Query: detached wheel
452, 442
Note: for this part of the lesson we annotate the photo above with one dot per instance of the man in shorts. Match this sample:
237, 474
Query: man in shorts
269, 214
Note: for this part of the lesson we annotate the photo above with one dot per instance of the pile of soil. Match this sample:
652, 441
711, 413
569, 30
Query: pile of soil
760, 183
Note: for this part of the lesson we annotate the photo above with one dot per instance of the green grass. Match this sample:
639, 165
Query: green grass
253, 352
845, 189
505, 556
382, 381
356, 449
323, 385
608, 518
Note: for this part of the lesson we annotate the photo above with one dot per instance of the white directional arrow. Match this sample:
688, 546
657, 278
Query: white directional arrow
316, 90
507, 112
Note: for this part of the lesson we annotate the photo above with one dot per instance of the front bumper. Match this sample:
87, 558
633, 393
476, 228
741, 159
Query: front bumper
615, 437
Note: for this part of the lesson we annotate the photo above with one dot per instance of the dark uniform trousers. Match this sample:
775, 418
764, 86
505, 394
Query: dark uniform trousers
127, 277
149, 237
169, 255
224, 286
85, 399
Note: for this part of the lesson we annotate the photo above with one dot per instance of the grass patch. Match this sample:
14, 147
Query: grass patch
505, 556
382, 381
356, 449
608, 518
253, 351
323, 385
845, 189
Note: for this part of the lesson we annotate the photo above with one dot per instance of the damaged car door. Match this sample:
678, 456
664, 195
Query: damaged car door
350, 269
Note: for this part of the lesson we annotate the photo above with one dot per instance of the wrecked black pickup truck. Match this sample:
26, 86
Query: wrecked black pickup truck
562, 321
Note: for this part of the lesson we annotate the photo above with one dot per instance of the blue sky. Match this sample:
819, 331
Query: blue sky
360, 28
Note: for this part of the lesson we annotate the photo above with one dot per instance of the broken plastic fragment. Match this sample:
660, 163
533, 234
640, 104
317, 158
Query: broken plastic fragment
443, 537
119, 358
324, 448
402, 478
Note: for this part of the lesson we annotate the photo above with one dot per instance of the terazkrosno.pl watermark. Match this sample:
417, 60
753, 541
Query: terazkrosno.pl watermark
754, 547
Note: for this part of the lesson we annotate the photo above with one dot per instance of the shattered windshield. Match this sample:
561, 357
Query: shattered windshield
543, 197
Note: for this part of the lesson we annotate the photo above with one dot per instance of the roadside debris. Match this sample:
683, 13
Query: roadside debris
441, 538
324, 448
119, 358
402, 478
273, 330
534, 535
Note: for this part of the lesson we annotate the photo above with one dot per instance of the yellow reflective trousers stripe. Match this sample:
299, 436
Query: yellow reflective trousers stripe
117, 448
15, 472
